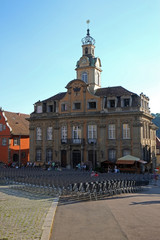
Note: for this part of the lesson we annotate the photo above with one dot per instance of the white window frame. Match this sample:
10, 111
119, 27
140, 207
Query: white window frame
1, 127
85, 77
39, 109
64, 133
126, 131
4, 141
16, 141
76, 134
38, 134
111, 131
49, 133
92, 131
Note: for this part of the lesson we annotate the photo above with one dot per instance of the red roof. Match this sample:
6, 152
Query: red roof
18, 123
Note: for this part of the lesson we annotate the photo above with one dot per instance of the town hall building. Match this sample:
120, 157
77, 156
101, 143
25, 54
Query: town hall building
90, 124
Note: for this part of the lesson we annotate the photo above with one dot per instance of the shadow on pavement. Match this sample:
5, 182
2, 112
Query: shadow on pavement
145, 203
6, 189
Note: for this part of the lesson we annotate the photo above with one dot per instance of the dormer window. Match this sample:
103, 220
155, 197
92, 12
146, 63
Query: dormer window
112, 103
126, 102
84, 77
39, 109
50, 108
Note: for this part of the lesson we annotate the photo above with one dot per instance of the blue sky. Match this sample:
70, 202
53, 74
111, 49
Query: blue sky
40, 43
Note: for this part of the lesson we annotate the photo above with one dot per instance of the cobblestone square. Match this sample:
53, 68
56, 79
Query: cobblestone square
22, 214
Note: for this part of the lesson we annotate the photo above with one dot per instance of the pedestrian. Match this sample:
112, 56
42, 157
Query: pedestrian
155, 176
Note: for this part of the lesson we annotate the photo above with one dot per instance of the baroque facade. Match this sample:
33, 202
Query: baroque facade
89, 124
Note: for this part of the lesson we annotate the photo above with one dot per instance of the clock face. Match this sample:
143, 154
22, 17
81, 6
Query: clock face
84, 60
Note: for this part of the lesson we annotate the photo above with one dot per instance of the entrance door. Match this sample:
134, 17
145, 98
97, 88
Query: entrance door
76, 157
15, 158
92, 157
63, 158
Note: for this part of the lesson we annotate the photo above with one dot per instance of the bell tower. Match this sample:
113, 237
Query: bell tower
89, 67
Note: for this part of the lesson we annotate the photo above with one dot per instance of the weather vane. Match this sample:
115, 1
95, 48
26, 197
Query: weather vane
88, 21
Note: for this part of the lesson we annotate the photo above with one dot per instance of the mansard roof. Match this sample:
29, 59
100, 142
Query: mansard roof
113, 91
117, 91
18, 123
58, 96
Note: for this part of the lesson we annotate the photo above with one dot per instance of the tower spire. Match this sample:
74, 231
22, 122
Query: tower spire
88, 39
88, 67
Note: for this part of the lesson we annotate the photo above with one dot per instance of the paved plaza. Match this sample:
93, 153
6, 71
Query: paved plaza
127, 216
27, 215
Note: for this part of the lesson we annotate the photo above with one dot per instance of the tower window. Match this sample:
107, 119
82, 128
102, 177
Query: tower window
85, 77
86, 50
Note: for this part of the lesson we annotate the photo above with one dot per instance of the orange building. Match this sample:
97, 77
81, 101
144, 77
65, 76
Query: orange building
14, 138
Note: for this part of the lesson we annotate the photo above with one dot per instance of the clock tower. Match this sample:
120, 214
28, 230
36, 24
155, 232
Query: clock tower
89, 67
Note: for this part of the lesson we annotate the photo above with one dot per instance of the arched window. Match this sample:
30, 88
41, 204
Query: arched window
85, 77
86, 50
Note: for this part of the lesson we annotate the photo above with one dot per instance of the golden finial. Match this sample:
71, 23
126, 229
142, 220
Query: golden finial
88, 21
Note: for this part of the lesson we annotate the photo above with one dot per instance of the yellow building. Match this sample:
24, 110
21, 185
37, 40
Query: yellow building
89, 124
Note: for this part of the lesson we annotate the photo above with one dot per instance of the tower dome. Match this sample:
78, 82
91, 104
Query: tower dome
88, 39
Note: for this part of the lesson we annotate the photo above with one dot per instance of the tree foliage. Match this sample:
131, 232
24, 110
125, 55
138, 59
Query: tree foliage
156, 121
